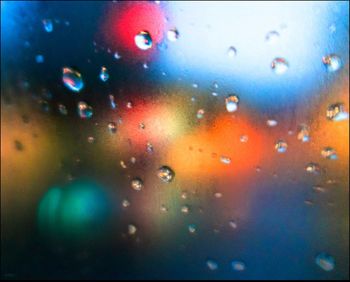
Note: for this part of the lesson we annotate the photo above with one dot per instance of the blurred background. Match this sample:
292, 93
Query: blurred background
173, 140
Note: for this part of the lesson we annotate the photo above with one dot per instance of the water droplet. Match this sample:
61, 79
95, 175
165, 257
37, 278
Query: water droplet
163, 208
200, 113
117, 56
312, 168
281, 146
142, 125
136, 184
143, 40
149, 147
112, 127
122, 164
325, 261
225, 160
133, 160
218, 195
166, 174
48, 25
244, 138
132, 229
215, 94
104, 76
319, 189
271, 122
192, 228
279, 66
232, 224
185, 209
72, 79
329, 153
272, 37
125, 203
91, 139
212, 265
84, 110
184, 195
173, 34
145, 66
332, 62
336, 112
39, 59
231, 103
112, 102
238, 265
303, 133
18, 145
232, 52
62, 109
129, 105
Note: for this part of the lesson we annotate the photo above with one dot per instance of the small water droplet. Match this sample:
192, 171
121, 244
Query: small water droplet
329, 153
271, 122
72, 79
166, 174
212, 265
84, 110
18, 145
232, 52
336, 112
91, 139
281, 146
117, 56
312, 168
325, 261
143, 40
238, 265
279, 66
163, 208
149, 147
122, 164
185, 209
62, 109
112, 102
200, 113
225, 160
129, 105
133, 160
184, 195
303, 133
272, 37
232, 102
232, 224
112, 127
332, 62
173, 34
104, 75
192, 228
136, 184
218, 195
244, 138
125, 203
132, 229
48, 25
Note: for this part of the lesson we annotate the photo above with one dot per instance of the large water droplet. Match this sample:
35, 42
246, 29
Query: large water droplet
279, 66
104, 75
143, 40
325, 261
84, 110
232, 102
166, 174
332, 62
336, 112
72, 79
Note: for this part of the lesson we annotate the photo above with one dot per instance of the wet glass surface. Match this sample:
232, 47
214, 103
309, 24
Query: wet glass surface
171, 139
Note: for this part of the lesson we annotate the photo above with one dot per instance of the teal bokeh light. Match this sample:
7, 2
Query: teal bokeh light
76, 211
